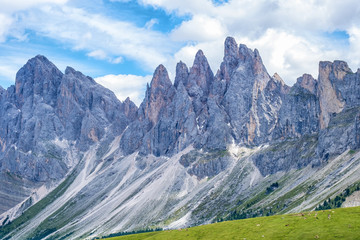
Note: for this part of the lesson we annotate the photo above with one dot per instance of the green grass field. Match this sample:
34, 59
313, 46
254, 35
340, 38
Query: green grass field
341, 223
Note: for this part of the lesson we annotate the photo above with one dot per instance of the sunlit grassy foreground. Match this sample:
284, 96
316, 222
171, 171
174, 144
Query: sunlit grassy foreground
341, 223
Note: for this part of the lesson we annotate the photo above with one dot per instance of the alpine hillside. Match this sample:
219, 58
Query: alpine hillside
78, 163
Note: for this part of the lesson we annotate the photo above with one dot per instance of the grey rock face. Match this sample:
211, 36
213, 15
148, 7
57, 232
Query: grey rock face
330, 98
49, 116
299, 113
157, 96
287, 155
341, 134
182, 74
146, 134
242, 104
349, 86
205, 164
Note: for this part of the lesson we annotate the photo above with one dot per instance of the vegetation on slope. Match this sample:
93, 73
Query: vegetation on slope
38, 207
343, 223
339, 199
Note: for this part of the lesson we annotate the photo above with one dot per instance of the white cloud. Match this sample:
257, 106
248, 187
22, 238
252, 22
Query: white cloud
151, 23
101, 55
8, 19
98, 54
126, 86
16, 5
287, 54
7, 72
199, 28
354, 41
5, 23
182, 7
116, 60
123, 1
102, 37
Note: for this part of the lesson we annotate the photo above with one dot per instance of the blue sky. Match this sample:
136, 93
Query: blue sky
120, 42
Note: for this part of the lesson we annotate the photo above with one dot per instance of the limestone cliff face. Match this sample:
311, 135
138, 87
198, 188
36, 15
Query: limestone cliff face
48, 118
330, 98
157, 96
241, 104
349, 87
244, 99
299, 113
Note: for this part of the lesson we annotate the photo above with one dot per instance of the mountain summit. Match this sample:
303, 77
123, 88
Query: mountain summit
205, 148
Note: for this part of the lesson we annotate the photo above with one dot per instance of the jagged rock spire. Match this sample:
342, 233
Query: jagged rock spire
231, 52
307, 81
200, 77
129, 109
160, 79
182, 74
158, 95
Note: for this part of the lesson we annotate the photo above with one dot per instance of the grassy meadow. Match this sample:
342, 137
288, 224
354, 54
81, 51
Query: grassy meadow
341, 223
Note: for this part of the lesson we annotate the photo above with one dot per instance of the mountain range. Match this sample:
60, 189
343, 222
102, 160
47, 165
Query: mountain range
78, 163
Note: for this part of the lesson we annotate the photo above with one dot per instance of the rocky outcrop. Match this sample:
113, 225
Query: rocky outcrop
157, 96
48, 118
299, 113
146, 134
244, 92
330, 98
182, 74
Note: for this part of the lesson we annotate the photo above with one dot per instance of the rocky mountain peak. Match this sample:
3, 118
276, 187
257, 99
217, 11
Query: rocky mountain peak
250, 59
40, 58
245, 53
307, 81
158, 95
127, 100
200, 77
338, 69
231, 58
38, 76
70, 70
35, 71
160, 79
231, 48
277, 78
130, 109
182, 74
277, 82
199, 55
